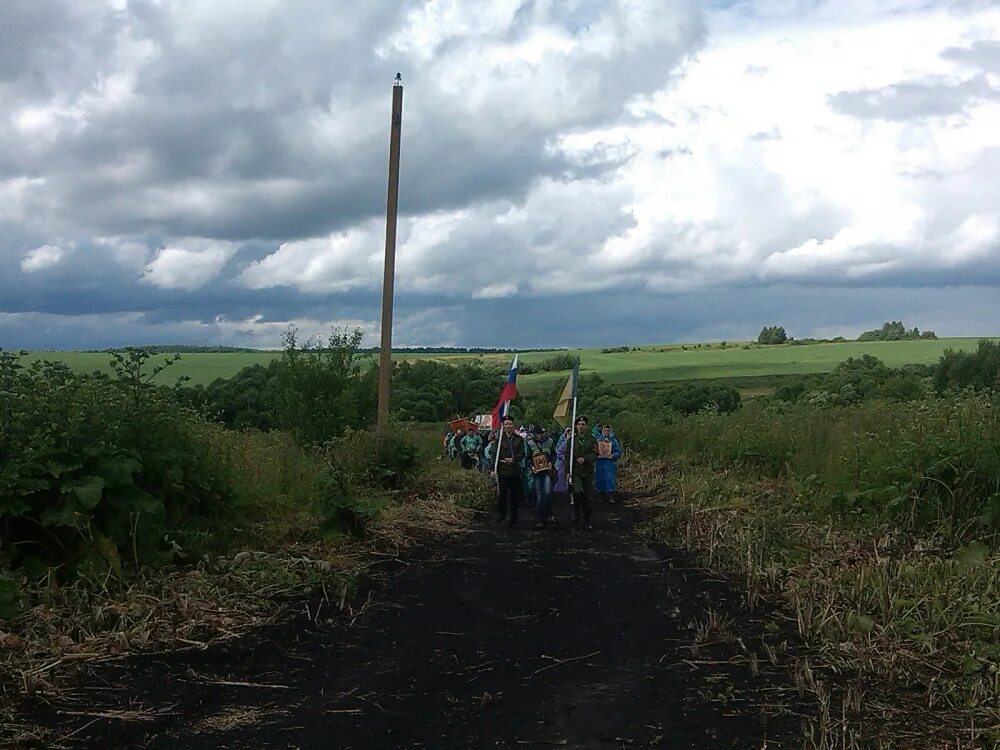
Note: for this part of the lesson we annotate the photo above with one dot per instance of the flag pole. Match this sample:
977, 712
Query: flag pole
496, 462
572, 442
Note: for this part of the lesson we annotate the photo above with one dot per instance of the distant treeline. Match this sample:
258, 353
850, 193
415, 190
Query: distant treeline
186, 349
456, 350
890, 331
192, 349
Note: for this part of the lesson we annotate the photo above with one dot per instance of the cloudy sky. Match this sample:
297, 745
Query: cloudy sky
574, 172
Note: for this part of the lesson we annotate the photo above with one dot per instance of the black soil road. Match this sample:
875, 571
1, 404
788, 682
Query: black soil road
501, 638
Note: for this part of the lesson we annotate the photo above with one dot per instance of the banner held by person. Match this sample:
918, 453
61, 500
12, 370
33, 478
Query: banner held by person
508, 394
564, 408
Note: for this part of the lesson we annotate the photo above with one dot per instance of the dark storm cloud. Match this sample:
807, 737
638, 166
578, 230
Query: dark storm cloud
274, 125
209, 170
625, 318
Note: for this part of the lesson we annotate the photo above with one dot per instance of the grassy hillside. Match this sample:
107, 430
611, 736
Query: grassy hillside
663, 363
648, 365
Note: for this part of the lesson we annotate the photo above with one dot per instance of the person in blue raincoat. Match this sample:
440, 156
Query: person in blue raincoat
606, 472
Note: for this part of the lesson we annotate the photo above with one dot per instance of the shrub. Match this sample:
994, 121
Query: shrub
323, 390
979, 370
93, 469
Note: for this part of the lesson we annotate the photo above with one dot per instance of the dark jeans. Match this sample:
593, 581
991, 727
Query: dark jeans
469, 461
543, 496
509, 494
583, 496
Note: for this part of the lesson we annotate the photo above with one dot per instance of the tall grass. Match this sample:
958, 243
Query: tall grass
931, 465
878, 525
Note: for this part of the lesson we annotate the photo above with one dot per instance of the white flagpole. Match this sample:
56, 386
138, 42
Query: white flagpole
496, 462
572, 441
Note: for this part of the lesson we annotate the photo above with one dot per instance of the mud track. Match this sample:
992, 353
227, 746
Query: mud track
500, 639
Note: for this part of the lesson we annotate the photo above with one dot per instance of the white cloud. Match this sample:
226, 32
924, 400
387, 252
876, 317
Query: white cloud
549, 148
495, 291
338, 263
42, 258
743, 170
188, 267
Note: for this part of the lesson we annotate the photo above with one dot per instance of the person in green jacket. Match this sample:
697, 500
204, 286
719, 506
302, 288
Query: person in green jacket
471, 447
580, 472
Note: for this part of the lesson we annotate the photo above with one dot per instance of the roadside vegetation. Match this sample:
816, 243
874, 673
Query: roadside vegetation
131, 517
869, 500
136, 513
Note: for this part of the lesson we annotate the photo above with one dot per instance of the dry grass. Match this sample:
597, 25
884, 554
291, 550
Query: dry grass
902, 637
217, 600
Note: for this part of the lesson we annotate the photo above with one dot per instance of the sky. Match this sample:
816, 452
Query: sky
573, 172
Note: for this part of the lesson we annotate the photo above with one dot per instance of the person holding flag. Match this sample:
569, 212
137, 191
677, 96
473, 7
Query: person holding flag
580, 451
564, 415
510, 457
510, 452
581, 458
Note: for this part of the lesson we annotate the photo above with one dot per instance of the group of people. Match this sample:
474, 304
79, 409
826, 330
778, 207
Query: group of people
534, 464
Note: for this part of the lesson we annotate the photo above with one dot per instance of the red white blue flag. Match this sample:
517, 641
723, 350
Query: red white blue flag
508, 394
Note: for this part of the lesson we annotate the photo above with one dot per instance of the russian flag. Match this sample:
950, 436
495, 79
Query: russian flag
508, 394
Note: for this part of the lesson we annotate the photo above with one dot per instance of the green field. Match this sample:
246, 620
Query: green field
653, 364
648, 365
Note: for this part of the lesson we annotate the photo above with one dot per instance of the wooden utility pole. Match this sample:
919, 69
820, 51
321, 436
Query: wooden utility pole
389, 277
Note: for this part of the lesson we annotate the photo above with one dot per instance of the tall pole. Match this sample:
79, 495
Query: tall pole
389, 277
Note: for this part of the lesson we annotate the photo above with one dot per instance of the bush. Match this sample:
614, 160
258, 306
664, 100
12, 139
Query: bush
364, 466
979, 370
93, 469
322, 390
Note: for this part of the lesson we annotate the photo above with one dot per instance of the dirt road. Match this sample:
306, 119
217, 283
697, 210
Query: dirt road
501, 639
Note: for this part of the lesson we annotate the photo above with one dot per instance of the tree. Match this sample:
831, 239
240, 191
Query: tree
772, 335
895, 331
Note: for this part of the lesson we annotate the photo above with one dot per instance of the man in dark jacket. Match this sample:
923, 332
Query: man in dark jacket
581, 467
512, 456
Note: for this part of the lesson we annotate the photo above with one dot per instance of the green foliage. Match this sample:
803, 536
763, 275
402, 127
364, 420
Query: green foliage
557, 363
93, 469
11, 598
322, 390
928, 464
895, 331
855, 380
363, 466
248, 400
431, 391
979, 370
772, 335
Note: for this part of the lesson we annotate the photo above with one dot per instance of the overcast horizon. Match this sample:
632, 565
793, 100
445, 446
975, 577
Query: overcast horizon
574, 173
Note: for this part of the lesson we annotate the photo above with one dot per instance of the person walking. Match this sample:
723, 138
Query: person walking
486, 464
581, 472
609, 451
471, 446
541, 454
511, 457
561, 487
455, 444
